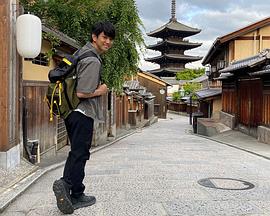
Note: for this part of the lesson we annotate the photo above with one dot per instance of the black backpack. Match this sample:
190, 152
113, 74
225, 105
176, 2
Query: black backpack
61, 93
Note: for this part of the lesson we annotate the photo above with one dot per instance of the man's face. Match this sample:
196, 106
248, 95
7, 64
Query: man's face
102, 42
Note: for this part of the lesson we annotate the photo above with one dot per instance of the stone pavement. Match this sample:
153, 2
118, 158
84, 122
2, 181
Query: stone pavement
161, 170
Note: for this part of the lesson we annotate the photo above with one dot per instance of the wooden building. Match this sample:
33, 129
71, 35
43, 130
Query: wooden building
172, 46
242, 43
246, 95
209, 102
140, 103
158, 88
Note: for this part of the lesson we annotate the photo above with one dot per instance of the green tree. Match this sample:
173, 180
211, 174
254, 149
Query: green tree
191, 88
189, 74
76, 17
176, 96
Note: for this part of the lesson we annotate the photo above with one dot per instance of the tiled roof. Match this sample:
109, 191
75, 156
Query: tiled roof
165, 70
179, 57
248, 62
183, 44
133, 85
176, 27
171, 80
205, 93
199, 79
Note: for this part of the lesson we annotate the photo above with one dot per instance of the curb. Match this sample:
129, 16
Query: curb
10, 194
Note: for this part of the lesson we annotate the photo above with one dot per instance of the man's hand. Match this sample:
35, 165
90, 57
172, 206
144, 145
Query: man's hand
102, 89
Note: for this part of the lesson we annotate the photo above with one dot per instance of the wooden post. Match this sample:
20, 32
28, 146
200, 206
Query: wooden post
9, 94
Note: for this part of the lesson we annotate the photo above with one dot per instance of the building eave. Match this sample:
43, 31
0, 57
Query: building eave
63, 37
153, 78
249, 62
211, 52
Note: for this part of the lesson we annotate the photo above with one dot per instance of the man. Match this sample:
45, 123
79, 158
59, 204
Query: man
69, 190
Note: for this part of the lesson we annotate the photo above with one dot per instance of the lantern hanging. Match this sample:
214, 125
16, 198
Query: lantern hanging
29, 35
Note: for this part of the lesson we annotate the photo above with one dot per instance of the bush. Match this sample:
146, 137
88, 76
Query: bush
176, 96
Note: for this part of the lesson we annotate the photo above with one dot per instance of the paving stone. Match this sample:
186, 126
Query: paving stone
210, 208
133, 209
156, 172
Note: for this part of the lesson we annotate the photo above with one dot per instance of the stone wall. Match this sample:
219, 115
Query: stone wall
263, 134
227, 119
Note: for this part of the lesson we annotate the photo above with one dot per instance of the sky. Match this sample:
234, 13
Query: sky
215, 18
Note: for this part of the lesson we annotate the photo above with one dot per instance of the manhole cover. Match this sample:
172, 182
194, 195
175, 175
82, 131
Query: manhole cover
226, 184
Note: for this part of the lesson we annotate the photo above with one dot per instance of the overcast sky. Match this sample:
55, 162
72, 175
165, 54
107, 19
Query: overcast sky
215, 18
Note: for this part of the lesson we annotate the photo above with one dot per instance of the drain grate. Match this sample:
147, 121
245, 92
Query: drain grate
226, 184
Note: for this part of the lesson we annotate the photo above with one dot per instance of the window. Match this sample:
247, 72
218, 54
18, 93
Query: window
41, 59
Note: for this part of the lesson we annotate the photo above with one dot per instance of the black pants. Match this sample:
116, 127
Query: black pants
80, 132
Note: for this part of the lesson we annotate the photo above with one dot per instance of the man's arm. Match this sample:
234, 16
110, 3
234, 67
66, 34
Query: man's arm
101, 90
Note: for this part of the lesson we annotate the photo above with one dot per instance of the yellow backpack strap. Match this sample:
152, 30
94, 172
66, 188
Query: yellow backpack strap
67, 61
60, 93
52, 101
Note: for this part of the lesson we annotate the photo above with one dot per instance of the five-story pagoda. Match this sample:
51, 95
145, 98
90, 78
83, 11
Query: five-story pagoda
172, 46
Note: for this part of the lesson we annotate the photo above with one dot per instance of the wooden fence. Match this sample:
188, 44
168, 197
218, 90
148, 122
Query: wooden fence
52, 135
38, 125
177, 106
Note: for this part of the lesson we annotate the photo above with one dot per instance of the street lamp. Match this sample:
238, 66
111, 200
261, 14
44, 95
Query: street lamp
182, 92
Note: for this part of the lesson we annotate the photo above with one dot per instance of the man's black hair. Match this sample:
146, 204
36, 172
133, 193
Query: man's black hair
106, 27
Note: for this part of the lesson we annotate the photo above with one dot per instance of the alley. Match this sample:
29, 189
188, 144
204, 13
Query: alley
156, 172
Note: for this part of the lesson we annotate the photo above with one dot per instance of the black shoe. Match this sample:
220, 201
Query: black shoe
61, 191
83, 201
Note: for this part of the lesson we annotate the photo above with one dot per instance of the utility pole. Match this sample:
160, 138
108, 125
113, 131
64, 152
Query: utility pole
10, 86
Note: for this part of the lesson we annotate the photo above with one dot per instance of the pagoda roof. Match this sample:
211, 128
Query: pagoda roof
165, 70
173, 28
179, 44
174, 58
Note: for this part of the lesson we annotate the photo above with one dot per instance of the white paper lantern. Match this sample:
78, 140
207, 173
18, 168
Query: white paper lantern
29, 34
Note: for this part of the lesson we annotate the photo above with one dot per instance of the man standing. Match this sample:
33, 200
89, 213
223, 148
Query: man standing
69, 190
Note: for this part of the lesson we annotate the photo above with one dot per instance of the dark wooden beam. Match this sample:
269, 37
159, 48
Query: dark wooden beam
4, 70
9, 79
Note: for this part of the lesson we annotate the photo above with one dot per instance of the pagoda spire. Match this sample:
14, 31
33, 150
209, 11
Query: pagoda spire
173, 46
173, 10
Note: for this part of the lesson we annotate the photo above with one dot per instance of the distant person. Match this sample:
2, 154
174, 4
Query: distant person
69, 190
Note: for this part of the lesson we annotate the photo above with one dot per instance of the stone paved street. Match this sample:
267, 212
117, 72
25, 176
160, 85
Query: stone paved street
156, 172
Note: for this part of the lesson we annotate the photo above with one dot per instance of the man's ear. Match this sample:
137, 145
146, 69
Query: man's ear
94, 37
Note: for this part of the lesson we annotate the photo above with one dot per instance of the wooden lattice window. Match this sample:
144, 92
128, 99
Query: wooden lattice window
41, 59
